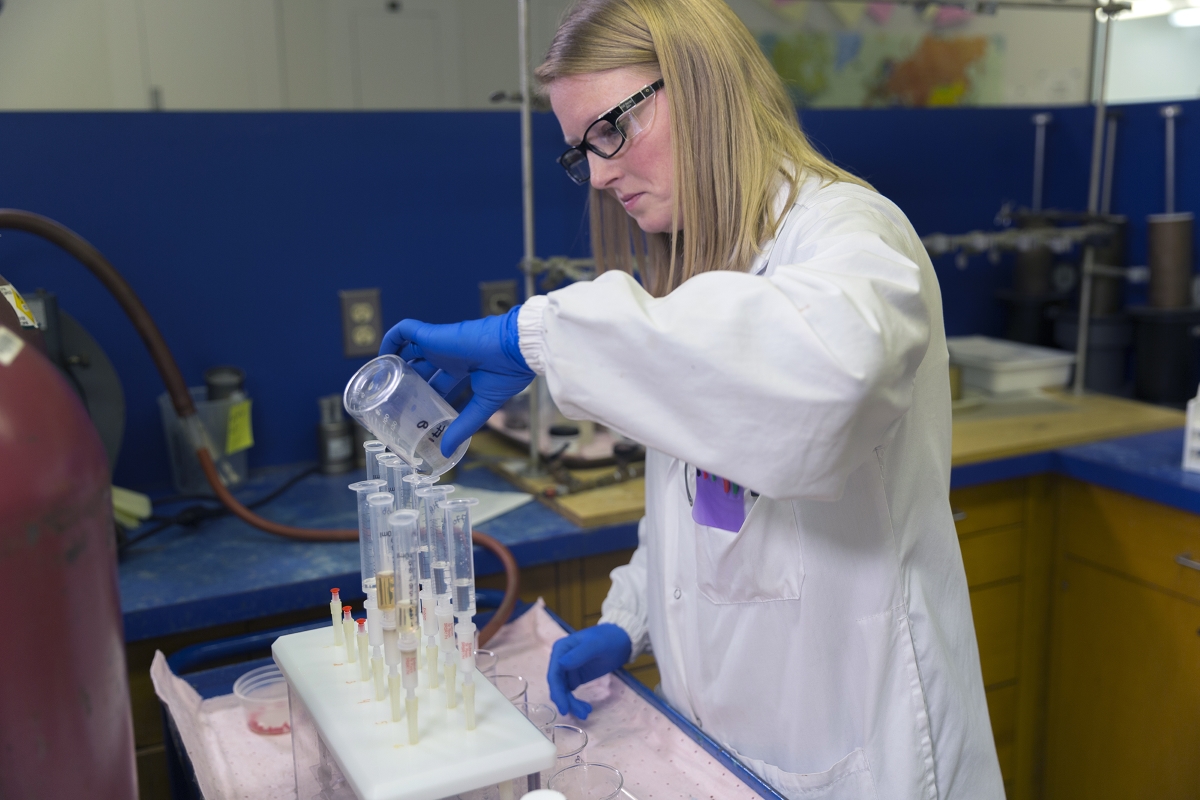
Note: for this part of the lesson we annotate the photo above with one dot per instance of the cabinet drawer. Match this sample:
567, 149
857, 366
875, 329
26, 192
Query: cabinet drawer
991, 505
1131, 536
993, 555
997, 611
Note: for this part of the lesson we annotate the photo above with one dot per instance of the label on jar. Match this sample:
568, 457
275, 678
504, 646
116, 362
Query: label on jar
24, 315
10, 346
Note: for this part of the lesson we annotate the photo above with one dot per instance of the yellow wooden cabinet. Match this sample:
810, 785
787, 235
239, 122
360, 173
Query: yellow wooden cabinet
1125, 678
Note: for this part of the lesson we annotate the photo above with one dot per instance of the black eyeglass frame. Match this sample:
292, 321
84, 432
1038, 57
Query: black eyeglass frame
568, 159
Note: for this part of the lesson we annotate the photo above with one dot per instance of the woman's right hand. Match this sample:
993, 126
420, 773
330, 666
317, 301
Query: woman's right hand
485, 350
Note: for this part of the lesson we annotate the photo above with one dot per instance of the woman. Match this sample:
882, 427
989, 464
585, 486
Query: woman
783, 359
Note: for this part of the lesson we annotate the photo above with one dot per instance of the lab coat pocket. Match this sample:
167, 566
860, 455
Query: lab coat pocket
848, 779
761, 562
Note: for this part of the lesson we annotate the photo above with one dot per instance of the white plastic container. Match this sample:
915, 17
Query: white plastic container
264, 697
998, 366
343, 746
1191, 436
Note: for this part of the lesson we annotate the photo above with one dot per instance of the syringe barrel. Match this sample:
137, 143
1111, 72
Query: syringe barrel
366, 541
416, 482
462, 553
373, 447
408, 480
380, 505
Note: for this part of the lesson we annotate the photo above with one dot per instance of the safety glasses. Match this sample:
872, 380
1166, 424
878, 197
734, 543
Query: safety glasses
608, 134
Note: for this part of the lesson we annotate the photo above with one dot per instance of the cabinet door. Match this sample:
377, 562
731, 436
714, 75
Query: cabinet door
1125, 690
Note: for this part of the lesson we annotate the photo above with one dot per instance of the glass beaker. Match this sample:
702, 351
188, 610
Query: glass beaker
541, 715
486, 662
513, 687
393, 402
569, 743
588, 782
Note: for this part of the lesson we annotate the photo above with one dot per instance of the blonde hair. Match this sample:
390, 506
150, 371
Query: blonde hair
734, 132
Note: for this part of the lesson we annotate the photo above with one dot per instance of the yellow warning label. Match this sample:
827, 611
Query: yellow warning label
238, 434
24, 315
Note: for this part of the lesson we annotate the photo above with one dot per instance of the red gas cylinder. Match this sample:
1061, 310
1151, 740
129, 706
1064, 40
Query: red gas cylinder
65, 725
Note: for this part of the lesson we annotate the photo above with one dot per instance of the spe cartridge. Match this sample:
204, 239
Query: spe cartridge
366, 544
348, 633
385, 596
439, 568
457, 525
404, 560
364, 656
335, 610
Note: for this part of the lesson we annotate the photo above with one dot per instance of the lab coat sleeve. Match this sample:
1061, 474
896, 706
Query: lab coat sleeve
625, 604
784, 383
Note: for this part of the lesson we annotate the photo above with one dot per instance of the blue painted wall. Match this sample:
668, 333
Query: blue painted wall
238, 229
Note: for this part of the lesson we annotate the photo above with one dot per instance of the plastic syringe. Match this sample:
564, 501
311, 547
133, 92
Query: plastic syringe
462, 572
366, 545
385, 594
404, 541
373, 447
439, 568
412, 483
379, 506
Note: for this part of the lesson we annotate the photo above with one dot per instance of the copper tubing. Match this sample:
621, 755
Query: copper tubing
106, 273
512, 584
121, 291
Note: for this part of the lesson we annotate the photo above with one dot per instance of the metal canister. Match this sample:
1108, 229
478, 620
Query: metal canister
335, 438
1170, 257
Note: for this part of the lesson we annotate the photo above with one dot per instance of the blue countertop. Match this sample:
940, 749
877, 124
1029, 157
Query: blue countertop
225, 571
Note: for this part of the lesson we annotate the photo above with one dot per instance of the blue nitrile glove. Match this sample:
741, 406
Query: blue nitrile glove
581, 657
484, 350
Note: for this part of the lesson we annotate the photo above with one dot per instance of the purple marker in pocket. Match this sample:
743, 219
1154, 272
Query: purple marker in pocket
719, 503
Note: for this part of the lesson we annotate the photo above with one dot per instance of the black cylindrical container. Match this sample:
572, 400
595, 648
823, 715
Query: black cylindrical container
223, 382
1170, 257
1107, 293
1107, 353
335, 437
1167, 354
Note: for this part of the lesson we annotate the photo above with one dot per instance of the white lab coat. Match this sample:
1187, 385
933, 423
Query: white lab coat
829, 643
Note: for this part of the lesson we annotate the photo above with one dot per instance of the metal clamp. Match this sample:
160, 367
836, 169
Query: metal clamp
1186, 560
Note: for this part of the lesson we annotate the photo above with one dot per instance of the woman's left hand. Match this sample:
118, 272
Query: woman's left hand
485, 350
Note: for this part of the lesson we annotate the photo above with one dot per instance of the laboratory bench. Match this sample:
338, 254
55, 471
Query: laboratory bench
1070, 514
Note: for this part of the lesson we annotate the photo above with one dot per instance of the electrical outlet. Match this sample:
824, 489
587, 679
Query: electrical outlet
362, 322
497, 297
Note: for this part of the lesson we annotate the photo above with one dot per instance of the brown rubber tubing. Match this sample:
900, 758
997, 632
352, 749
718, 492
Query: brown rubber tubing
168, 370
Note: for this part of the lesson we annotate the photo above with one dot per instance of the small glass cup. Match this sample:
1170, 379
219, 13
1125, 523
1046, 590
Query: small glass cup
393, 402
569, 742
486, 662
514, 687
540, 714
588, 782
